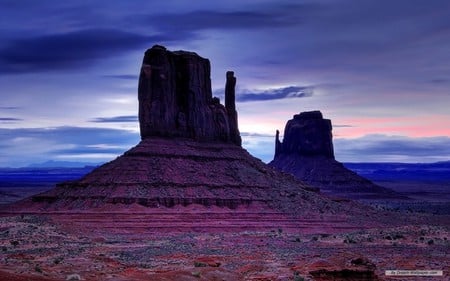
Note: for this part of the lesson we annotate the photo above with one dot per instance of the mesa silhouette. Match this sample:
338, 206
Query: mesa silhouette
307, 152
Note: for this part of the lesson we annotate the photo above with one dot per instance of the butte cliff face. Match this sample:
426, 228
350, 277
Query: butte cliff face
175, 99
307, 134
307, 153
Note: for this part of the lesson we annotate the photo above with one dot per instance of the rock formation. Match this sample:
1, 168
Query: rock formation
307, 153
190, 152
175, 99
189, 203
308, 134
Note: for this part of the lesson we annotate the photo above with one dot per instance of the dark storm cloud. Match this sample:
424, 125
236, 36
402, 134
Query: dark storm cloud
9, 107
372, 37
10, 119
188, 24
275, 94
115, 119
200, 20
68, 50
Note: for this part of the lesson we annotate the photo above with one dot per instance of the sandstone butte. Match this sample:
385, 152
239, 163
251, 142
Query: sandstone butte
190, 153
307, 152
189, 203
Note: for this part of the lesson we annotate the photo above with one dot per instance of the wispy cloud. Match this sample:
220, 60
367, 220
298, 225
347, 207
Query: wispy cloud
20, 147
370, 148
258, 135
275, 94
439, 81
270, 94
10, 119
383, 148
90, 149
115, 119
9, 107
342, 126
123, 77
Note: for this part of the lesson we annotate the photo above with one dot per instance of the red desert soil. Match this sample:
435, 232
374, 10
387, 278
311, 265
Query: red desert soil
133, 242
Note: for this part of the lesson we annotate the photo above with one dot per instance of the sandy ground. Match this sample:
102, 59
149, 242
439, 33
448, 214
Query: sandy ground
213, 245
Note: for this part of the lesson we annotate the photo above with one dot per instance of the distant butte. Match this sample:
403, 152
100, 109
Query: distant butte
307, 153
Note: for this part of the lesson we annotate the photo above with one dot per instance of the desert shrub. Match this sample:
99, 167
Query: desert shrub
430, 242
73, 277
37, 268
200, 264
349, 240
298, 277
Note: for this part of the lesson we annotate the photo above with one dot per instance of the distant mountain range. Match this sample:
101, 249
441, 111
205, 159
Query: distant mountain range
63, 164
438, 171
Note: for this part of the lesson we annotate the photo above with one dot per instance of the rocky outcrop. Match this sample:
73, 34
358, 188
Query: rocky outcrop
358, 269
307, 152
175, 98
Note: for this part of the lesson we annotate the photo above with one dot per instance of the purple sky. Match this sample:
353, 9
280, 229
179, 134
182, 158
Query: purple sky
380, 70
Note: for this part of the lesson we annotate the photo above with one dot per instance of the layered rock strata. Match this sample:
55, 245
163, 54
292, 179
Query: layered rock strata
161, 172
